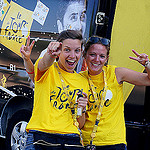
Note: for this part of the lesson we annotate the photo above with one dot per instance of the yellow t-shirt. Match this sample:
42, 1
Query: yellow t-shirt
111, 128
51, 112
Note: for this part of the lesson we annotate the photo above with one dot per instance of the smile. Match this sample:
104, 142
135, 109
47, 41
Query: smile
71, 62
95, 64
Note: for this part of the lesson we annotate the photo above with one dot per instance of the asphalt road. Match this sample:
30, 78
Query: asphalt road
2, 144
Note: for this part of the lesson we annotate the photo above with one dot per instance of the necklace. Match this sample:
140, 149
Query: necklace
73, 106
93, 134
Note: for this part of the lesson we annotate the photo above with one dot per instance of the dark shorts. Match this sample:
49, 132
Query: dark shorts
112, 147
37, 140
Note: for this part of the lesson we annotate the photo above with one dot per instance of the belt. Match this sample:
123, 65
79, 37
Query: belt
42, 142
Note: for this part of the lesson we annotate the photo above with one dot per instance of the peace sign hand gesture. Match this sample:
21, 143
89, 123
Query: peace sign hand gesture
26, 50
141, 58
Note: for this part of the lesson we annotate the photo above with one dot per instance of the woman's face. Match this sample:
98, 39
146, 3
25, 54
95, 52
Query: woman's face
96, 57
70, 54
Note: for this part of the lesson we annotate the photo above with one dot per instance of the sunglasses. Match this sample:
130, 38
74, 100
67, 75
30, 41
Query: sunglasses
94, 40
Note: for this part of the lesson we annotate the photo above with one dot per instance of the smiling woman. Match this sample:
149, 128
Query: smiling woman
96, 58
104, 128
69, 51
70, 55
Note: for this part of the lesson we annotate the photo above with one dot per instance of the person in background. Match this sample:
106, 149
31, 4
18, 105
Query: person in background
55, 122
74, 17
104, 128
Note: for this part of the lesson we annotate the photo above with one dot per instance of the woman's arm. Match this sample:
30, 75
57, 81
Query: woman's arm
29, 68
53, 51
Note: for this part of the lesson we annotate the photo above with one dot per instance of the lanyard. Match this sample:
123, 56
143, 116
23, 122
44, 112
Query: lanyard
93, 134
73, 106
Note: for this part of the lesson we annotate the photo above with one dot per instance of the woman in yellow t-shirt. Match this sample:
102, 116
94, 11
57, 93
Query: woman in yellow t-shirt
104, 128
54, 123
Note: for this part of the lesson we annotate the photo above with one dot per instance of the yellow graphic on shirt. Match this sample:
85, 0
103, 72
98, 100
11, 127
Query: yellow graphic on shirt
59, 99
16, 27
94, 104
131, 30
4, 5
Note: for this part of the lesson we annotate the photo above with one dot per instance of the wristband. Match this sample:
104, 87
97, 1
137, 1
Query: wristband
146, 63
30, 72
53, 56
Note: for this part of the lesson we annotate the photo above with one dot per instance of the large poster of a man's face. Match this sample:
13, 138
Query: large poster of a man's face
74, 17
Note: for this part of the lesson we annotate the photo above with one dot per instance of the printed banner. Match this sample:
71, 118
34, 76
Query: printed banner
16, 27
131, 30
4, 5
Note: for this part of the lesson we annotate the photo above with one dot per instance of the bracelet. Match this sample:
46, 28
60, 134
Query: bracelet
146, 63
53, 56
30, 72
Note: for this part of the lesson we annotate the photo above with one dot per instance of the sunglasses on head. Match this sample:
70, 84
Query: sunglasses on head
95, 40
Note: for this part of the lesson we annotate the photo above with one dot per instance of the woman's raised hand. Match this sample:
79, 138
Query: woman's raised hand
26, 50
141, 58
